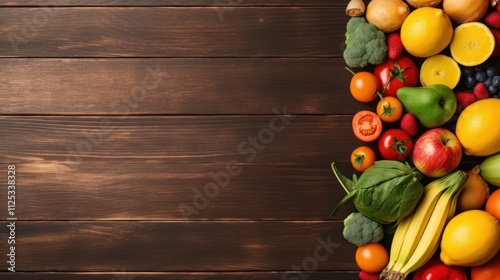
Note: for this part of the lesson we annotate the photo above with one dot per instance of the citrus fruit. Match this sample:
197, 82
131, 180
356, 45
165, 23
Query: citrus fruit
472, 43
372, 257
487, 271
470, 238
493, 204
461, 11
477, 128
429, 25
440, 69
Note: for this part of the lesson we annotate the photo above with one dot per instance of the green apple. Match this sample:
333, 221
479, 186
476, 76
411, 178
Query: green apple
432, 105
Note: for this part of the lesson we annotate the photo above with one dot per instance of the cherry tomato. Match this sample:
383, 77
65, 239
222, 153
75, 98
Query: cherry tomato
394, 74
362, 157
364, 86
366, 125
389, 109
395, 144
372, 257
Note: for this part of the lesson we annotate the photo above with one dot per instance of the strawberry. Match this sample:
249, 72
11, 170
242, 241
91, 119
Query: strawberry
493, 19
464, 99
481, 91
496, 34
394, 45
367, 276
409, 124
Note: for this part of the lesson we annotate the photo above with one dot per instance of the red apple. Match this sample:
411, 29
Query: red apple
437, 152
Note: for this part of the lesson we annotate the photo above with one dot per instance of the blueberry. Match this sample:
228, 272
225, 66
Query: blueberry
491, 72
488, 82
482, 67
496, 81
478, 68
481, 76
467, 71
470, 81
493, 89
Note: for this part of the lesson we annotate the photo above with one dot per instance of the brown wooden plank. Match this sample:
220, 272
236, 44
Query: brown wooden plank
172, 32
176, 86
123, 275
178, 139
111, 190
181, 246
156, 3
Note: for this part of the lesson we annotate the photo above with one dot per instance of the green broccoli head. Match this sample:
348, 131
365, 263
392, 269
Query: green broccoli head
365, 43
361, 230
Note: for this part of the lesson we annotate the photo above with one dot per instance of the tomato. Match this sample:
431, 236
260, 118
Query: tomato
362, 157
444, 272
487, 271
394, 74
364, 86
395, 144
372, 257
389, 109
419, 273
366, 125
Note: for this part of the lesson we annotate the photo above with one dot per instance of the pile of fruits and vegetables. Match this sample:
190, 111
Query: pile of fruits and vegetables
428, 69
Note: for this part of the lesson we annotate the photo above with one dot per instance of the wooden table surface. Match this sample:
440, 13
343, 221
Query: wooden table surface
174, 139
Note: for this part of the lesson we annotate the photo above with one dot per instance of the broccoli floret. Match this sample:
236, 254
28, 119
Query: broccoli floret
365, 43
361, 230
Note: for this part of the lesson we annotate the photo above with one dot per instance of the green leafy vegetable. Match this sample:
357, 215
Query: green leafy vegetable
386, 192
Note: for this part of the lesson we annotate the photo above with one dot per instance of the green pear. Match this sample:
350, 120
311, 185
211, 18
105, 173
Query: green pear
432, 105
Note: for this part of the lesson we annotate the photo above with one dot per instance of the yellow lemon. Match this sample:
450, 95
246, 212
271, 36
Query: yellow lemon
472, 43
471, 238
426, 31
440, 69
477, 128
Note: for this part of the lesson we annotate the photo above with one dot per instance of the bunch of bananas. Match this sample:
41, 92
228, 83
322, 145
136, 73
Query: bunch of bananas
417, 235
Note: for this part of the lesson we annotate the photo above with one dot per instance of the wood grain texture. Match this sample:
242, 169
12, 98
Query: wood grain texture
172, 32
160, 3
112, 190
181, 246
254, 275
175, 86
118, 112
178, 139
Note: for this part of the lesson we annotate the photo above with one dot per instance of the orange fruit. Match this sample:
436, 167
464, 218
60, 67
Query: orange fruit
372, 257
493, 204
487, 271
472, 43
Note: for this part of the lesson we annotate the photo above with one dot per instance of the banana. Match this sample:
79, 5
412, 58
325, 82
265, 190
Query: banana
432, 193
429, 241
397, 241
417, 235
